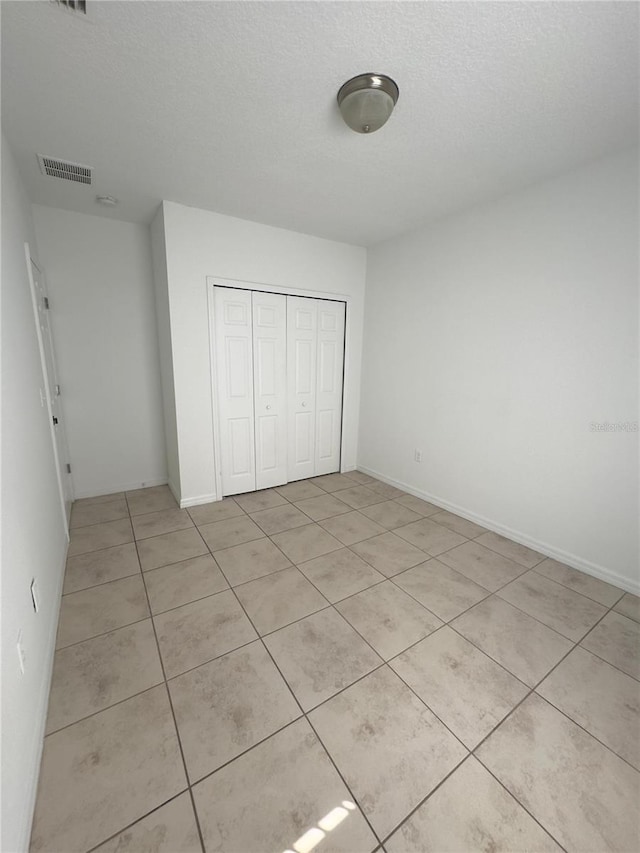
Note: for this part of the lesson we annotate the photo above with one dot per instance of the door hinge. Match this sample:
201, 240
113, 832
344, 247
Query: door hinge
45, 301
55, 420
68, 467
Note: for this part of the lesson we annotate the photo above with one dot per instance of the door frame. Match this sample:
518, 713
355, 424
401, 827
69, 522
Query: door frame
45, 378
216, 281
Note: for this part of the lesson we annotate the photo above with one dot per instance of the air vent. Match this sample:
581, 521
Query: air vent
62, 169
74, 5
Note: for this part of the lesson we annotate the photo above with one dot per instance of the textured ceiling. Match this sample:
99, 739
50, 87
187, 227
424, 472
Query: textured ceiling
231, 106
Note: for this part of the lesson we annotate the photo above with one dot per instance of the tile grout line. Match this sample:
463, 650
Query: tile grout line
419, 698
469, 752
604, 660
129, 516
522, 806
303, 712
577, 592
445, 623
137, 820
106, 708
211, 660
580, 726
473, 753
530, 690
189, 526
392, 579
248, 749
103, 583
74, 527
515, 606
264, 534
389, 530
575, 645
146, 689
496, 593
469, 755
104, 633
332, 604
578, 645
173, 713
107, 547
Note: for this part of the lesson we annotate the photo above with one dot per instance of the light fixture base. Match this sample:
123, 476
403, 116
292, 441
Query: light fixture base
367, 100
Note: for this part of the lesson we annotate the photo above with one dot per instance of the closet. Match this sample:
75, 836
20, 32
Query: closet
278, 368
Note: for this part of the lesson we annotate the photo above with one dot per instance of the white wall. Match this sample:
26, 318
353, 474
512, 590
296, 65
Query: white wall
34, 540
159, 256
493, 340
103, 317
200, 244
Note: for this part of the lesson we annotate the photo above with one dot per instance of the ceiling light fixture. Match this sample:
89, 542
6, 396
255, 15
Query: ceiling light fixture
367, 101
107, 200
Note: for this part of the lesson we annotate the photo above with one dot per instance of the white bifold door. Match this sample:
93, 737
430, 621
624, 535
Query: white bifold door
270, 387
251, 342
278, 370
315, 359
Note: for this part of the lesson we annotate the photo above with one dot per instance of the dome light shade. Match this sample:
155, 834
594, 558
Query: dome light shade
367, 101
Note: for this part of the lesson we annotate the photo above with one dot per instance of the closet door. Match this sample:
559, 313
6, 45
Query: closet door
234, 379
270, 388
301, 386
331, 320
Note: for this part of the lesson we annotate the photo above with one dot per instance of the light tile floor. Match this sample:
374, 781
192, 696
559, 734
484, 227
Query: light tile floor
334, 666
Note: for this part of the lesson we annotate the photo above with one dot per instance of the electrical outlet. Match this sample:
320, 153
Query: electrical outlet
21, 655
34, 595
417, 455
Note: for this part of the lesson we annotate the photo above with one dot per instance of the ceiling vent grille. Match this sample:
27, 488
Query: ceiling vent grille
62, 169
74, 5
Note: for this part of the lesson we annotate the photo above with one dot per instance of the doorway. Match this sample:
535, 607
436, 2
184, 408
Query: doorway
51, 392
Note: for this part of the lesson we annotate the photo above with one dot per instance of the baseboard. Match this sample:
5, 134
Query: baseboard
589, 568
200, 499
43, 707
120, 487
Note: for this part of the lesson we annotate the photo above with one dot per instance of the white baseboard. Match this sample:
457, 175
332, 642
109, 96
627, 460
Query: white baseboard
119, 487
200, 499
589, 568
43, 707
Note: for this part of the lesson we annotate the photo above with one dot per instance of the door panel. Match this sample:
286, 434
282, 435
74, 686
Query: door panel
325, 436
238, 361
304, 367
328, 356
239, 445
266, 367
304, 432
267, 444
301, 380
234, 375
305, 314
331, 323
270, 391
